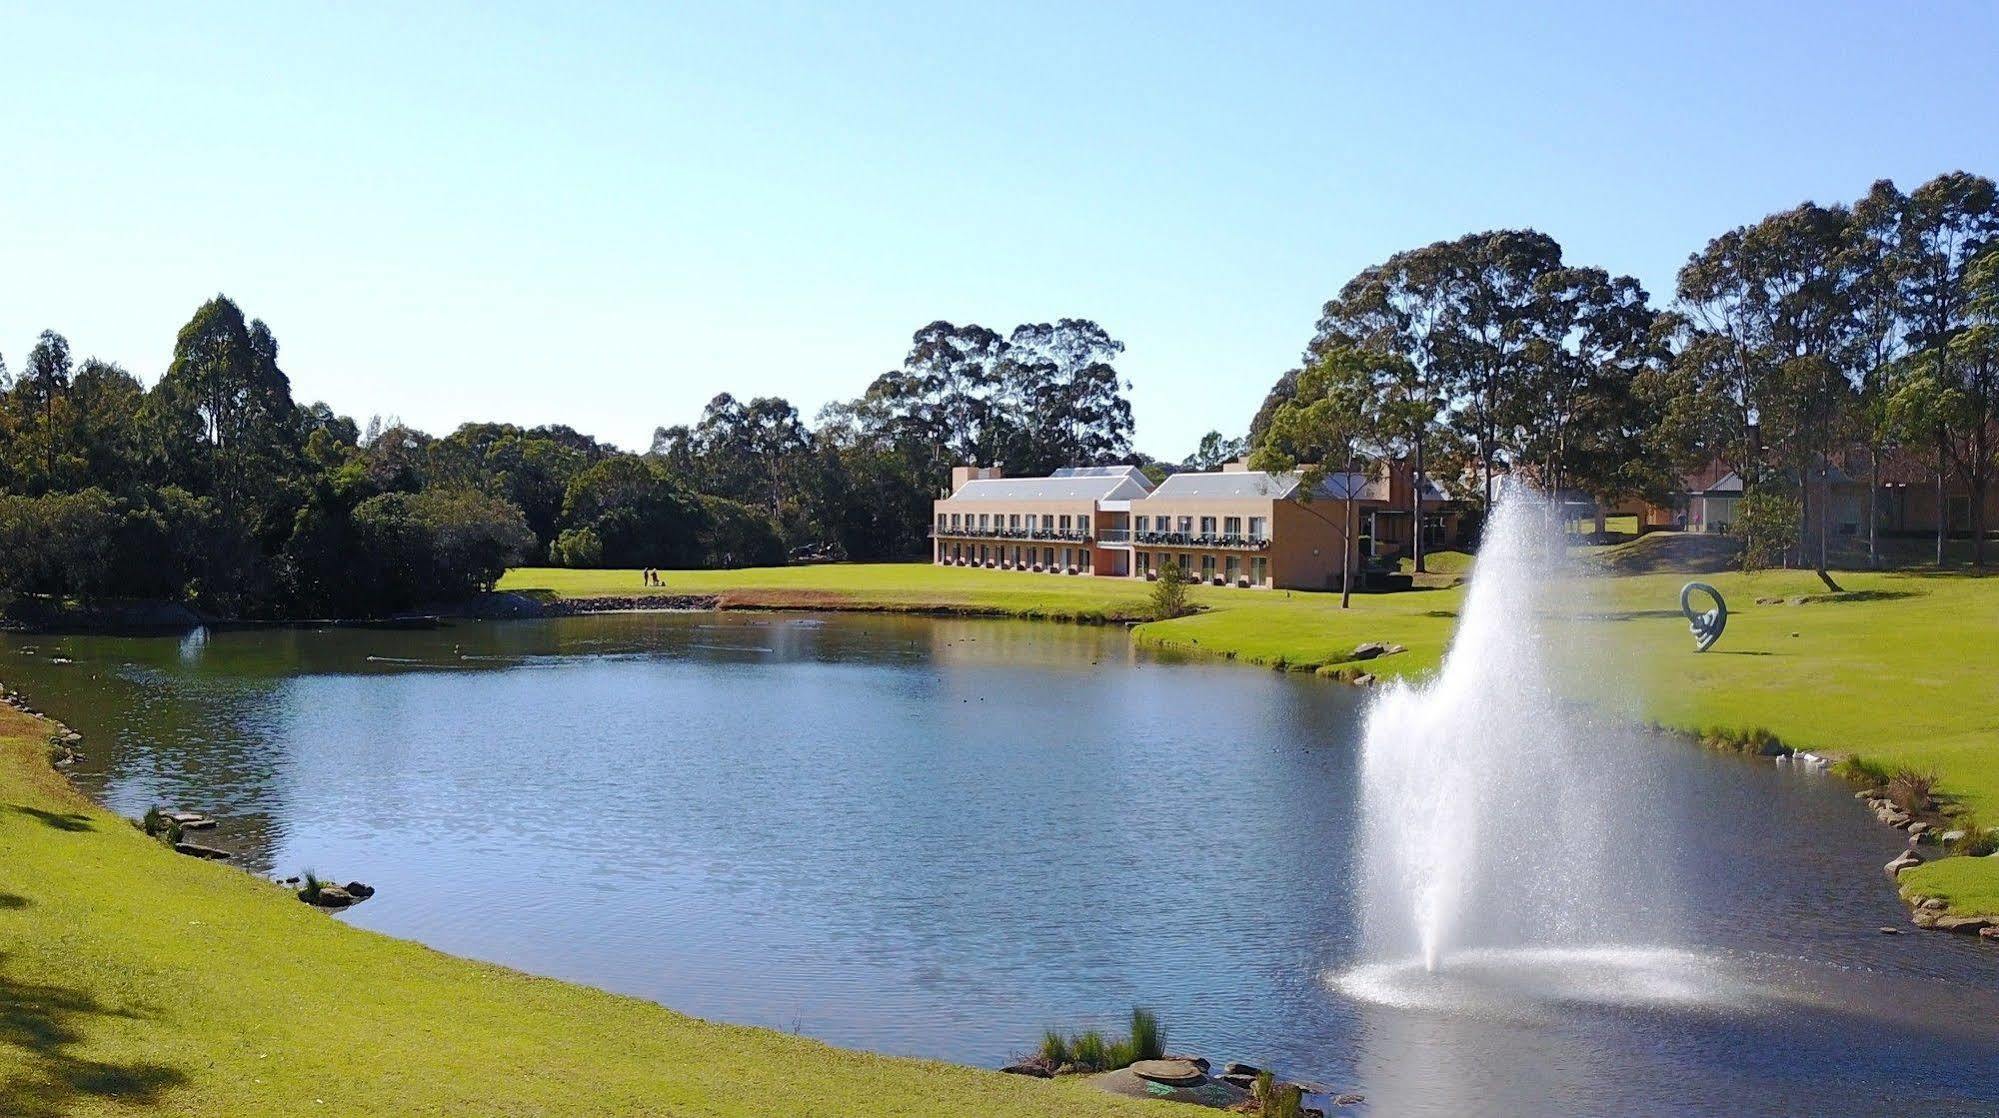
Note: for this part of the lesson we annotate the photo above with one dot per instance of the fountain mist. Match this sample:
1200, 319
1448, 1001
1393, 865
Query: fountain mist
1504, 819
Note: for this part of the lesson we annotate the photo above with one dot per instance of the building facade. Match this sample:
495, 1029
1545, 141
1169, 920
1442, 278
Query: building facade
1235, 527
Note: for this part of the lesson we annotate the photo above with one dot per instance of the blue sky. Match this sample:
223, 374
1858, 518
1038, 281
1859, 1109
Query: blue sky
604, 216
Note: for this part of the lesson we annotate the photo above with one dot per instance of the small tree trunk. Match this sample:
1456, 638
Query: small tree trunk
1943, 508
1873, 506
1346, 553
1825, 519
1416, 498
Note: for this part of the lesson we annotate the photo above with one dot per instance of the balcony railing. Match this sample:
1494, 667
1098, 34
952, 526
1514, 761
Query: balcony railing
1072, 535
1205, 539
1114, 535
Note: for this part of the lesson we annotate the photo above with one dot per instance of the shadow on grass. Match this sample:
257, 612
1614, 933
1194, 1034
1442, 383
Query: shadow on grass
44, 1024
1737, 652
1630, 615
60, 820
1862, 596
11, 901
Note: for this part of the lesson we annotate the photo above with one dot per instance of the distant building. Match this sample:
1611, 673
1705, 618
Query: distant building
1234, 527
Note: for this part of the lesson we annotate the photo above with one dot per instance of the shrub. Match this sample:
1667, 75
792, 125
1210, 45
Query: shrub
152, 822
1148, 1040
1054, 1049
1090, 1051
1862, 771
1169, 593
1912, 789
1768, 524
1275, 1100
1977, 841
309, 892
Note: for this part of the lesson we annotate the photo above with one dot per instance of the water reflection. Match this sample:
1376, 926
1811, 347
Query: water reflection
938, 837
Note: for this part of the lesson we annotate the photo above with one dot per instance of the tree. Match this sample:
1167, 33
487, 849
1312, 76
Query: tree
1168, 598
1975, 354
1878, 334
44, 381
1214, 452
1339, 407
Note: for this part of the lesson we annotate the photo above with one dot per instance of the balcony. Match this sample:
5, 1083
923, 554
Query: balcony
1057, 535
1206, 540
1115, 537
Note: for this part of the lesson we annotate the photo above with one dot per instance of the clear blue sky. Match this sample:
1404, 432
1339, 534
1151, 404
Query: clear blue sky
604, 217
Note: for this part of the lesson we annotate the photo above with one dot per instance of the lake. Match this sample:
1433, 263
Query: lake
937, 838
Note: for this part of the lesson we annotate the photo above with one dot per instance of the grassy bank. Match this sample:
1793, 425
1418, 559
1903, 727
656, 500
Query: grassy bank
130, 975
1900, 670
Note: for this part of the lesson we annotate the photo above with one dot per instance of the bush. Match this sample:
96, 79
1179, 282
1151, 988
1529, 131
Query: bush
1977, 841
1169, 593
309, 892
1090, 1052
1054, 1050
1768, 524
1912, 790
1148, 1040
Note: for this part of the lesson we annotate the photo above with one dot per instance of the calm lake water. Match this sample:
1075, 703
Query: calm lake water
939, 837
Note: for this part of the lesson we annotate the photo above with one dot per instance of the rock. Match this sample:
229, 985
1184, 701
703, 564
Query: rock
1918, 828
1198, 1061
1908, 859
1250, 1070
330, 896
1066, 1069
1889, 931
359, 891
1237, 1079
1969, 925
196, 850
1949, 837
1868, 794
1032, 1068
1895, 818
1923, 918
1173, 1073
1989, 933
1934, 904
1363, 681
1348, 1099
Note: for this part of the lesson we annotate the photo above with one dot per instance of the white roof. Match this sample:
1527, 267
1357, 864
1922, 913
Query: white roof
1083, 487
1131, 473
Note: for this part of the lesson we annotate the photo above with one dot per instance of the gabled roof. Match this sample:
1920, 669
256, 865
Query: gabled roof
1229, 483
1085, 487
1128, 473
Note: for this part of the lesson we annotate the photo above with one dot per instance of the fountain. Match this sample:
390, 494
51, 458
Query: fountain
1512, 844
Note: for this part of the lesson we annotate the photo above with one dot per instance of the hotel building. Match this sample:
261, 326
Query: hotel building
1236, 527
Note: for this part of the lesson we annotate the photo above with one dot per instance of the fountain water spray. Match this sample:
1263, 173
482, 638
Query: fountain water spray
1501, 814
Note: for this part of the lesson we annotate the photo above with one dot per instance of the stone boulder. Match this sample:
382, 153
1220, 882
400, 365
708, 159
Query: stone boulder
1250, 1070
196, 850
1906, 860
1968, 925
1034, 1069
1173, 1073
359, 891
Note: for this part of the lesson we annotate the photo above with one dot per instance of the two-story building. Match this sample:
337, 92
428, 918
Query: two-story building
1236, 527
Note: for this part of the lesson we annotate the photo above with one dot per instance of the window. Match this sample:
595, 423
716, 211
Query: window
1048, 557
1083, 559
1013, 520
940, 521
1259, 571
1207, 525
957, 551
1259, 528
1065, 522
1232, 570
1231, 525
1016, 556
1048, 523
1144, 562
983, 556
954, 520
1186, 525
1141, 524
1207, 568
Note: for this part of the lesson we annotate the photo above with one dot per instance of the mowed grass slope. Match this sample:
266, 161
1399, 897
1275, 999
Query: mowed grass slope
132, 976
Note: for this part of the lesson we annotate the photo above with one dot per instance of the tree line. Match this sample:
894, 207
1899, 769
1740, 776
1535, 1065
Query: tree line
1790, 344
213, 487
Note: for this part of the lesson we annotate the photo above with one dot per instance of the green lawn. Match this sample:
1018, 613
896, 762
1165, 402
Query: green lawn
132, 976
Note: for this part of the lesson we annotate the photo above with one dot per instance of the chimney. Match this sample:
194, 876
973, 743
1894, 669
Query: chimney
1239, 466
962, 474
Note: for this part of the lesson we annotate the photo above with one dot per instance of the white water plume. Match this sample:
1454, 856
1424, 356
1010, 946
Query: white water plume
1503, 817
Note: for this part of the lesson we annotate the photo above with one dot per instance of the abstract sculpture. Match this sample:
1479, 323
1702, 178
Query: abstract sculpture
1707, 626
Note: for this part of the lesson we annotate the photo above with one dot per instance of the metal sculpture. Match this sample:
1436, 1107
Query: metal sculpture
1707, 626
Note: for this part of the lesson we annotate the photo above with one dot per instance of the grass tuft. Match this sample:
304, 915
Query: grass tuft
1913, 790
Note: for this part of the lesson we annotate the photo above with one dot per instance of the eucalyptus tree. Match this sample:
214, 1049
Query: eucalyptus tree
1581, 411
1947, 224
1393, 309
44, 381
1878, 335
1339, 409
1214, 452
1975, 353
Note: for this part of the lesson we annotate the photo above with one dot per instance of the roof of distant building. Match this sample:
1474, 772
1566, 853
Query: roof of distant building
1093, 486
1132, 473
